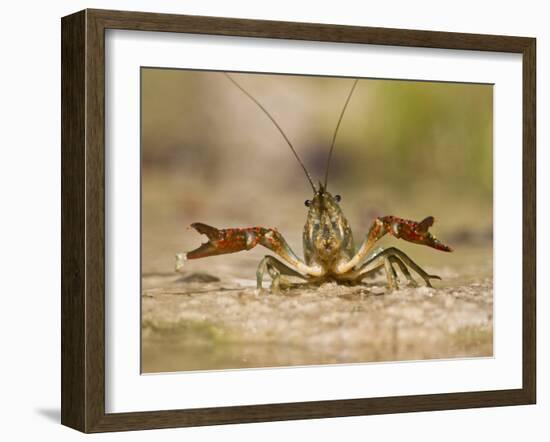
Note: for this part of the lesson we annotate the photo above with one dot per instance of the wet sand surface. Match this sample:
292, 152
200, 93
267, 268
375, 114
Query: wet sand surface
207, 320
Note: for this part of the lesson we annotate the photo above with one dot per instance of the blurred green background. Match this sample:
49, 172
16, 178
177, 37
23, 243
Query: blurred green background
405, 148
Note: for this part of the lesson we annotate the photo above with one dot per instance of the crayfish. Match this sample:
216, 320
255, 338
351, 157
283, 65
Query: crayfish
329, 249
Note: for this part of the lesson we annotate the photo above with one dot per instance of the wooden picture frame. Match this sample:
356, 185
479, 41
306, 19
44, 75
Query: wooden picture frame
83, 220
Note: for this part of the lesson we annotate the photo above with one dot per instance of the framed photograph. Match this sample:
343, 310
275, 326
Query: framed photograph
270, 220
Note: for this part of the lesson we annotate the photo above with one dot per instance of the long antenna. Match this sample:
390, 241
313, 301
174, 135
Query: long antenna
336, 130
276, 125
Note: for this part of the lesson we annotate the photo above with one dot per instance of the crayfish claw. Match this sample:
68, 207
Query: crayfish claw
436, 244
205, 249
222, 241
211, 232
412, 231
425, 224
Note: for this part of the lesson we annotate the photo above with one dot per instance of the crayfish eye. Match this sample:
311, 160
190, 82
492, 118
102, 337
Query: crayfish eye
307, 203
338, 198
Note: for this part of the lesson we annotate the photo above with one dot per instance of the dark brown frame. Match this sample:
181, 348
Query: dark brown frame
83, 216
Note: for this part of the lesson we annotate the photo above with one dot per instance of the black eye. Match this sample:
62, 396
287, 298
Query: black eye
307, 203
338, 198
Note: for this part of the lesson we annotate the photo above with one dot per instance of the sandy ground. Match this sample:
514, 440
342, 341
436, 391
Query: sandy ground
202, 320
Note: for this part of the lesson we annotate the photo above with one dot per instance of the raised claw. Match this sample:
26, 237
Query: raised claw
412, 231
222, 241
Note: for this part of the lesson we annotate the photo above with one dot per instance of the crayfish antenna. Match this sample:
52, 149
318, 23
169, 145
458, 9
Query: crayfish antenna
279, 128
336, 130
